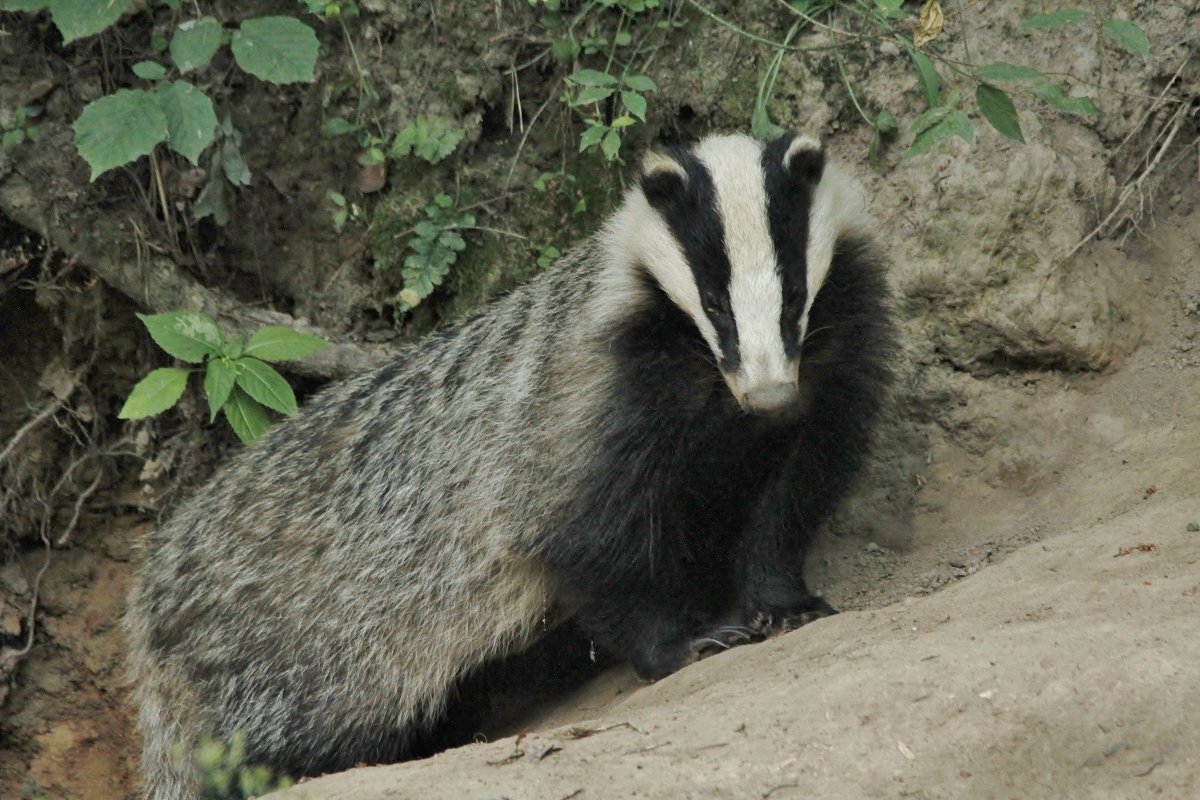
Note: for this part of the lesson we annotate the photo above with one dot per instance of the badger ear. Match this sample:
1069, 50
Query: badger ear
663, 178
804, 160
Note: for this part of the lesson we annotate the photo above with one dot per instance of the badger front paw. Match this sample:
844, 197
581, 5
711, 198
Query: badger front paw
772, 621
665, 658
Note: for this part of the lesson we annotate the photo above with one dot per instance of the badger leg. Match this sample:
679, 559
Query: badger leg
770, 564
653, 631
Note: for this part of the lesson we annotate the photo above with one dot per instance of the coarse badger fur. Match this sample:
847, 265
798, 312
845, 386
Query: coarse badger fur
644, 436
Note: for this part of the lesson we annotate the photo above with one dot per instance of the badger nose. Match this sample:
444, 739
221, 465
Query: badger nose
772, 398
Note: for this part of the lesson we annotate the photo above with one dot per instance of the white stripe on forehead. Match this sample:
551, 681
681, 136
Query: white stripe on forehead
838, 206
755, 289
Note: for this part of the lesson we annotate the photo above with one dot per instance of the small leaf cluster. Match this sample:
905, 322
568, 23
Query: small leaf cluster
21, 130
589, 88
435, 246
224, 774
945, 120
121, 127
612, 99
946, 117
237, 380
429, 138
343, 210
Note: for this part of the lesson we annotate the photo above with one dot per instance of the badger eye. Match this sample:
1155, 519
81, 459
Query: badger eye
715, 309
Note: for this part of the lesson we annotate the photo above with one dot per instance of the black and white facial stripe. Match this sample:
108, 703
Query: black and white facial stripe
741, 237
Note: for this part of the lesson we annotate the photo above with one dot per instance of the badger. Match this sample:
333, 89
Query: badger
644, 438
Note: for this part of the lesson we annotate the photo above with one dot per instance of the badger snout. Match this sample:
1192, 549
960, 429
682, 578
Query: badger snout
772, 398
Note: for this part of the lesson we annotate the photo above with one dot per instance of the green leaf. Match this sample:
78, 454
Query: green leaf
1055, 95
78, 18
191, 120
1055, 19
119, 128
885, 123
611, 145
338, 126
430, 138
276, 49
640, 83
262, 382
635, 103
277, 343
195, 42
591, 77
218, 384
592, 94
592, 136
1128, 36
998, 109
931, 84
246, 416
1001, 71
955, 123
12, 138
928, 119
149, 70
186, 335
155, 393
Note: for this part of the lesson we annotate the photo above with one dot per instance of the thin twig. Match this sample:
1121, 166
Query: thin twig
38, 419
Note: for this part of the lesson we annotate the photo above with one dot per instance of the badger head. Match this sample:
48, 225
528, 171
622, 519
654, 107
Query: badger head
740, 236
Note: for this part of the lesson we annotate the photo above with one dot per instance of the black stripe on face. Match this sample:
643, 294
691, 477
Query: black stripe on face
789, 191
690, 210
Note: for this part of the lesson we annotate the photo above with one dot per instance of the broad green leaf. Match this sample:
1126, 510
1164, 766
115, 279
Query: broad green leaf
31, 6
1001, 71
191, 121
195, 43
149, 70
623, 121
931, 84
186, 335
635, 103
1055, 95
261, 381
611, 145
13, 137
277, 343
119, 128
218, 383
276, 49
78, 18
338, 126
1128, 36
592, 94
998, 109
246, 416
640, 83
592, 77
592, 136
155, 393
1055, 19
956, 123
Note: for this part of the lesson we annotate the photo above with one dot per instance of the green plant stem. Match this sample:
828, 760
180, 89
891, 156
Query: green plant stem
754, 37
850, 89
